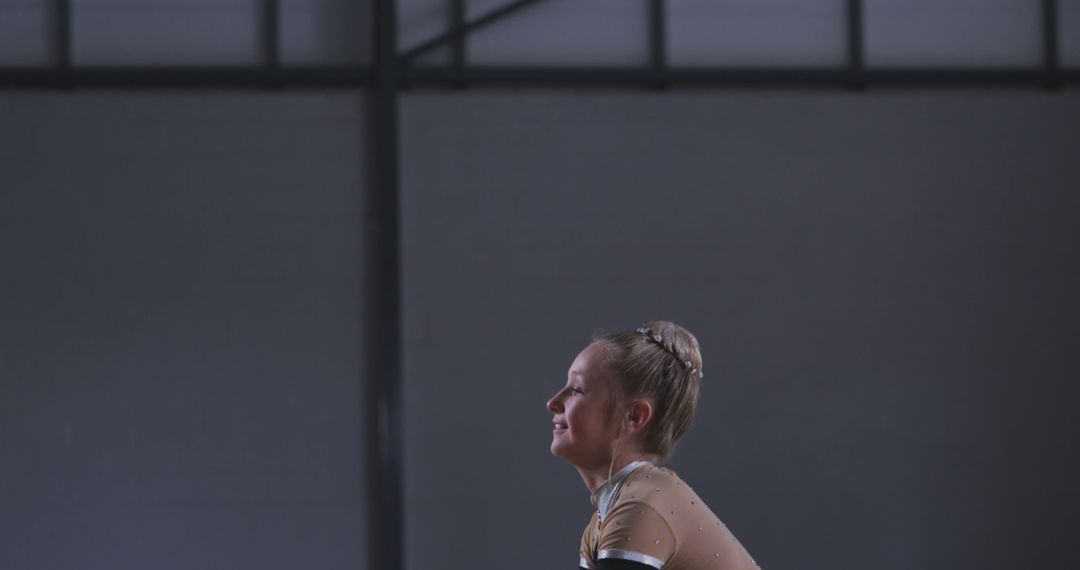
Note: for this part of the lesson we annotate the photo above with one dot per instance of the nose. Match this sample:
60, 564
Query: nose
554, 405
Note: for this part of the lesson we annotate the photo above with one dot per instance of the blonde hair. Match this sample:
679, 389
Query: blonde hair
660, 361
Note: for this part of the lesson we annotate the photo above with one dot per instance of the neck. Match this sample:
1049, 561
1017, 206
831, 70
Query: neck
595, 477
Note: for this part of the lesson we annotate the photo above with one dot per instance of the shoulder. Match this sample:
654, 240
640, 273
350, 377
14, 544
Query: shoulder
637, 527
589, 534
589, 541
652, 485
652, 491
663, 492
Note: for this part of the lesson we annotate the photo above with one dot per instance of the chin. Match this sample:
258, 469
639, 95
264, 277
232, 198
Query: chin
563, 451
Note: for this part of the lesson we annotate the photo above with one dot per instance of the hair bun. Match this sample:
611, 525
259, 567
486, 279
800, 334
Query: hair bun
658, 339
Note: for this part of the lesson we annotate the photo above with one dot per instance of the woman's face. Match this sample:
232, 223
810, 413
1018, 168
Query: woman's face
584, 432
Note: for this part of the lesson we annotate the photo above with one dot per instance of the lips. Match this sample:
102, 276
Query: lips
559, 427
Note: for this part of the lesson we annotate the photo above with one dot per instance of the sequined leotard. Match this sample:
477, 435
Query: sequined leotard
645, 514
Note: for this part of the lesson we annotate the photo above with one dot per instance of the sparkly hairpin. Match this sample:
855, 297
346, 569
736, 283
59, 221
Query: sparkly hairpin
659, 340
655, 337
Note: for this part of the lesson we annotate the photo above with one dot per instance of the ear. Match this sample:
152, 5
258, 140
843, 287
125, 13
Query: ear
638, 415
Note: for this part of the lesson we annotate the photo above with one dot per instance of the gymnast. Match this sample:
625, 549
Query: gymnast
629, 397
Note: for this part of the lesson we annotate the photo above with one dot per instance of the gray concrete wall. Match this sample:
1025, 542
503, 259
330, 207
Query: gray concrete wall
884, 285
179, 331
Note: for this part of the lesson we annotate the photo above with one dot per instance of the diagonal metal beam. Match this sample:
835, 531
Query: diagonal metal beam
460, 32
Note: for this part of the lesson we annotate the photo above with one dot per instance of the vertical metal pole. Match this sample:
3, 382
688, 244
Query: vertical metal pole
457, 41
63, 40
382, 328
658, 42
271, 33
1051, 64
271, 37
855, 43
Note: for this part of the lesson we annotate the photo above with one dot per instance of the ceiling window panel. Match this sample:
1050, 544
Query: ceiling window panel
326, 32
563, 33
758, 33
420, 21
27, 33
929, 33
167, 32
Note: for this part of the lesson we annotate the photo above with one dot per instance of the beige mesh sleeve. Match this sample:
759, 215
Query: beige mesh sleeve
587, 551
635, 531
